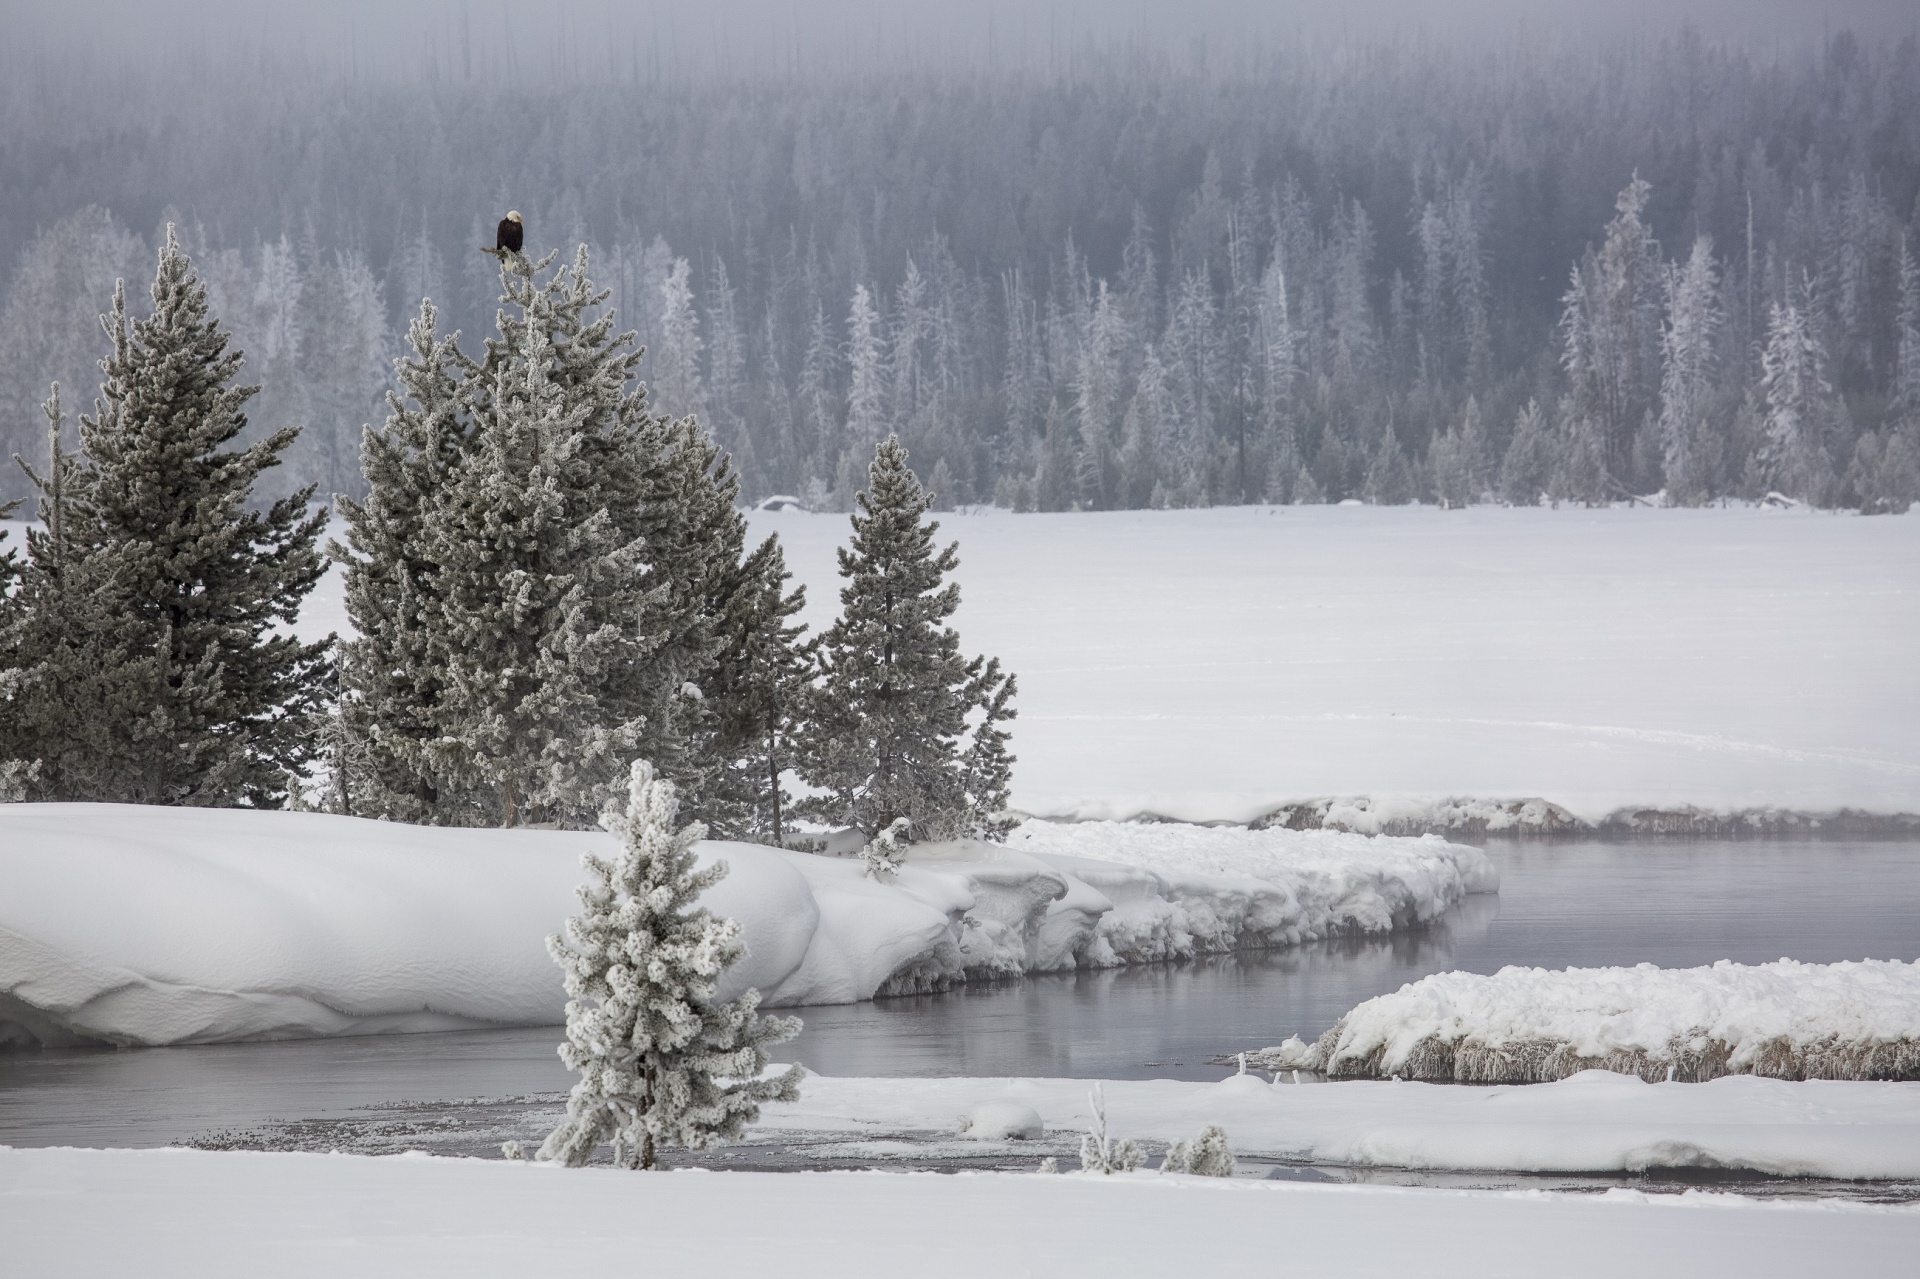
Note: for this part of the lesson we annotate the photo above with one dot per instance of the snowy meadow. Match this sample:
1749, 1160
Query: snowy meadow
1218, 665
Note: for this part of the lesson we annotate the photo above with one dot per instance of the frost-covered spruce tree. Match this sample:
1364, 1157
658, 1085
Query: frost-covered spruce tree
693, 536
1793, 457
661, 1061
888, 737
758, 689
389, 682
160, 609
1526, 473
539, 617
55, 631
1687, 370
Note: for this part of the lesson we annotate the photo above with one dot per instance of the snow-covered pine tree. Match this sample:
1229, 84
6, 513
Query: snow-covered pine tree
1884, 477
1458, 460
1686, 378
888, 736
1886, 472
539, 616
866, 372
693, 538
1580, 468
757, 692
389, 682
676, 361
160, 607
1389, 475
661, 1062
1793, 458
544, 573
1526, 473
1610, 326
1903, 408
62, 649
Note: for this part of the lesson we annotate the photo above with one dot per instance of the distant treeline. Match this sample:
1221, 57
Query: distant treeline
1385, 270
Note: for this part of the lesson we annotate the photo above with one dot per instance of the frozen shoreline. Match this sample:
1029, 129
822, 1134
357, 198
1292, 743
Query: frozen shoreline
1482, 818
138, 926
1595, 1122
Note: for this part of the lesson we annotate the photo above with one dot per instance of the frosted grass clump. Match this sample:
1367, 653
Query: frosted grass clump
1205, 1156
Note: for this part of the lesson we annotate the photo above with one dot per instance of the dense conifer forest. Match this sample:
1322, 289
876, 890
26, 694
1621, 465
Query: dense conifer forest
1381, 267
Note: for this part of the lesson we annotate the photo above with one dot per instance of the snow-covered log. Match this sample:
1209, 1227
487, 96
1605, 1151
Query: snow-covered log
1785, 1020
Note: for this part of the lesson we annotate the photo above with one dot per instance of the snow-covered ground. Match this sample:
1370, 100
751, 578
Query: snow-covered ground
190, 1213
1218, 665
140, 925
1787, 1019
1594, 1122
1213, 665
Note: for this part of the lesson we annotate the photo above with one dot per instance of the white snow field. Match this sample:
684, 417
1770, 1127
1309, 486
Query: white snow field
138, 925
191, 1213
1593, 1122
1217, 664
1789, 1020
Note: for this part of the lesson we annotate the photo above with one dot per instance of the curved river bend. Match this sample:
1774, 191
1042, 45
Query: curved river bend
1673, 904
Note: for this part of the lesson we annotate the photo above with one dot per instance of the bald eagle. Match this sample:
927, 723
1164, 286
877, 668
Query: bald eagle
508, 237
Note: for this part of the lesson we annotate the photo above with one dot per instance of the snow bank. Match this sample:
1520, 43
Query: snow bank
1595, 1122
135, 925
1179, 890
1786, 1020
192, 1213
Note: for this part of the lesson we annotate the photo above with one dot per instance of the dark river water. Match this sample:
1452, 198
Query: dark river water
1672, 904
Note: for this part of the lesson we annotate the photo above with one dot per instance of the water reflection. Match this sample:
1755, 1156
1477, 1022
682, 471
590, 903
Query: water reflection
1160, 1021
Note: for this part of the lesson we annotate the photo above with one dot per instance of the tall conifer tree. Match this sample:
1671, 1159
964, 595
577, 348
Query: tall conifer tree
759, 686
889, 736
154, 663
389, 684
548, 580
537, 621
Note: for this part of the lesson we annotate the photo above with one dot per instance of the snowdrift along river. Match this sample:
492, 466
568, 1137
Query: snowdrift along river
1787, 1020
137, 925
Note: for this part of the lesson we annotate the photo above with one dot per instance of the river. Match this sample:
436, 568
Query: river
1674, 904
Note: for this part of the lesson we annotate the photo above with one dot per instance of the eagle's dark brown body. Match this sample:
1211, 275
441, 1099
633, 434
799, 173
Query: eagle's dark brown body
509, 237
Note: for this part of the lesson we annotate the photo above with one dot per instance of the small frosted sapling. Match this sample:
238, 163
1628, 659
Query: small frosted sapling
644, 1030
1098, 1151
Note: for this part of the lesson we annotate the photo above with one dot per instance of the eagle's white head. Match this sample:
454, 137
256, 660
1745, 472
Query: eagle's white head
513, 215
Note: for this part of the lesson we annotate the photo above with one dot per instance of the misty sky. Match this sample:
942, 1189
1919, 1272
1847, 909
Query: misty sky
531, 38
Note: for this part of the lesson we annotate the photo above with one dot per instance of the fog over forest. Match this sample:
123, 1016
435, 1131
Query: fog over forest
1201, 254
